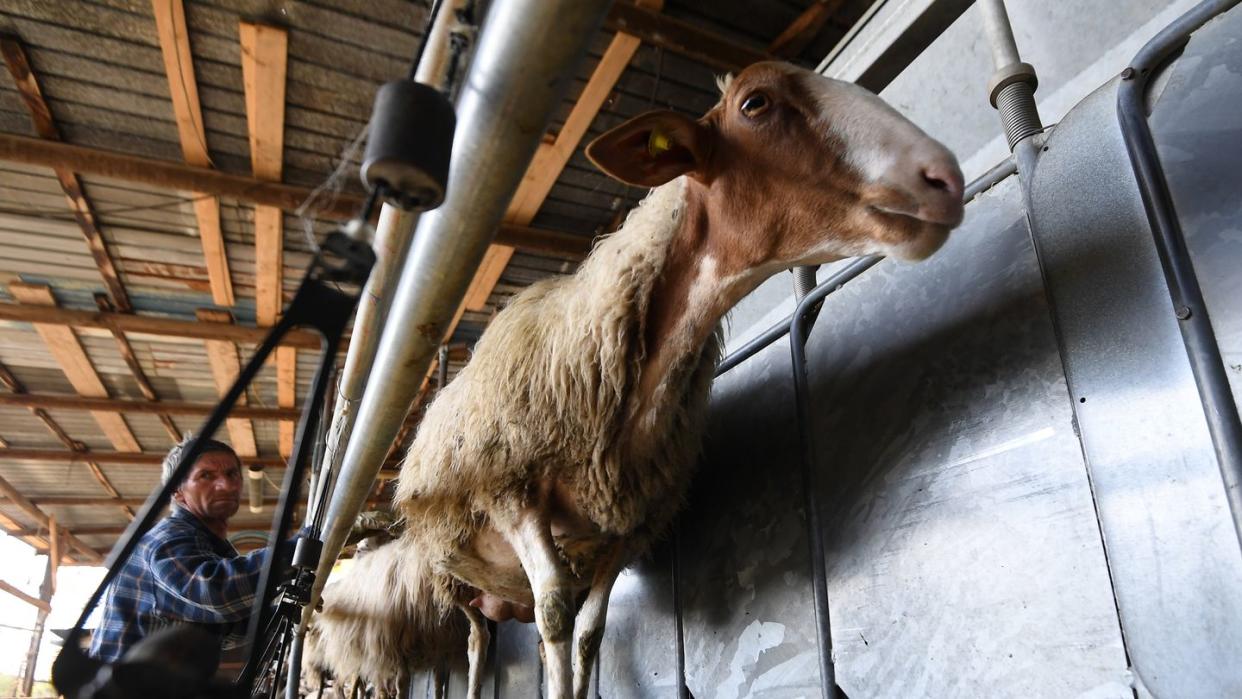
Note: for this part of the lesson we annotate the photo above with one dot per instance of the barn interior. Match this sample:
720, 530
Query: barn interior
167, 169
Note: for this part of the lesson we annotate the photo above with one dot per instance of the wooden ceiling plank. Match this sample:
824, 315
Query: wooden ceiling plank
32, 537
19, 390
164, 174
42, 520
70, 402
35, 601
108, 457
265, 55
803, 30
225, 367
150, 325
174, 38
682, 38
18, 64
135, 368
63, 344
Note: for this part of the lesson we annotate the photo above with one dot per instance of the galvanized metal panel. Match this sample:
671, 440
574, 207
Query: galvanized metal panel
637, 657
1173, 555
1199, 137
518, 670
745, 587
964, 554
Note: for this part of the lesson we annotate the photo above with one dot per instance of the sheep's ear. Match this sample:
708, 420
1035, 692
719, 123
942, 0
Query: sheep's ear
652, 149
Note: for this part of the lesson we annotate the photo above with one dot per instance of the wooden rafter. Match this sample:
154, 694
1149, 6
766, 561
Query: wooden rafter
28, 599
225, 367
163, 174
77, 501
115, 405
681, 37
147, 458
264, 60
34, 537
28, 86
803, 30
135, 368
149, 325
174, 40
41, 518
62, 343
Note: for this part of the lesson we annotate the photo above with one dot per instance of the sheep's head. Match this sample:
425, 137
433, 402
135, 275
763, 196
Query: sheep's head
799, 168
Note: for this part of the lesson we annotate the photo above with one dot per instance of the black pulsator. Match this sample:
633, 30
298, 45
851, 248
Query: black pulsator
408, 148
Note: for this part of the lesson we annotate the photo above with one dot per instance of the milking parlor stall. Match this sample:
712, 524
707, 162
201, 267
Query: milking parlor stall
577, 348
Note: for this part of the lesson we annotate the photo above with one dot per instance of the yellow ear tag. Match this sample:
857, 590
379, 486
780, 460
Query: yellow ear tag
658, 142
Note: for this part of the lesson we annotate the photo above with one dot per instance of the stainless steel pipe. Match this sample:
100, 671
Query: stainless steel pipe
391, 243
521, 68
999, 32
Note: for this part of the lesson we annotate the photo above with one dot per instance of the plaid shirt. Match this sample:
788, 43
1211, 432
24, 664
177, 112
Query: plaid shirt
179, 572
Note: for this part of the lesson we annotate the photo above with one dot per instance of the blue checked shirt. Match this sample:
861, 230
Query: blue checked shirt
180, 572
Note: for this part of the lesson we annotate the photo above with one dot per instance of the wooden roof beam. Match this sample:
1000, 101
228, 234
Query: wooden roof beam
264, 59
680, 37
75, 501
19, 391
116, 405
163, 174
135, 368
41, 518
174, 40
111, 457
28, 86
35, 601
225, 367
803, 30
64, 346
150, 325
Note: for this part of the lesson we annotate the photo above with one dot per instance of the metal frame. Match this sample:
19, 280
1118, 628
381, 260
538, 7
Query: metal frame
1188, 304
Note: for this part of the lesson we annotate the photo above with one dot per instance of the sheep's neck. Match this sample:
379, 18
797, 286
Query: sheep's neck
699, 283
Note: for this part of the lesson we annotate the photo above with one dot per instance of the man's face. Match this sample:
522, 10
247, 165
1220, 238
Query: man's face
213, 488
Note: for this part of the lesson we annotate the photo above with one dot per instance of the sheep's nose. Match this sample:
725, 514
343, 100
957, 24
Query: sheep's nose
940, 198
946, 178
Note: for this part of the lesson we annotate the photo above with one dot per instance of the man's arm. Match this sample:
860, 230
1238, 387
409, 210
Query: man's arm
195, 584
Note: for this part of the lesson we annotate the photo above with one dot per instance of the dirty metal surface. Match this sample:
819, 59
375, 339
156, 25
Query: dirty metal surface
746, 593
1173, 555
638, 655
963, 551
1199, 138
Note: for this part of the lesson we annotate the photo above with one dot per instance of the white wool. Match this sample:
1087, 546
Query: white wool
545, 396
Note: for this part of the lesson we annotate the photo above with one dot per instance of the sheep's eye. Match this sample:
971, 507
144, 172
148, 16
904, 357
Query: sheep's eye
755, 104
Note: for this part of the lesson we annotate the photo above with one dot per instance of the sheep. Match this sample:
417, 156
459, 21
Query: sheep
567, 444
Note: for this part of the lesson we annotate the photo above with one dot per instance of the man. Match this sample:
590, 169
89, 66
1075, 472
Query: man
184, 570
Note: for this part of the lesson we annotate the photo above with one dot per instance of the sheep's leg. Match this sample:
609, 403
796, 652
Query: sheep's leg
476, 649
589, 625
531, 538
441, 677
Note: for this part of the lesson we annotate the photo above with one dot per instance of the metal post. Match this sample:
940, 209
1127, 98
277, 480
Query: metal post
517, 78
1012, 87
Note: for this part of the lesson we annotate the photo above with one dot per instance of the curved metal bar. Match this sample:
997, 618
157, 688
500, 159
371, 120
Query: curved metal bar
1188, 304
799, 329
